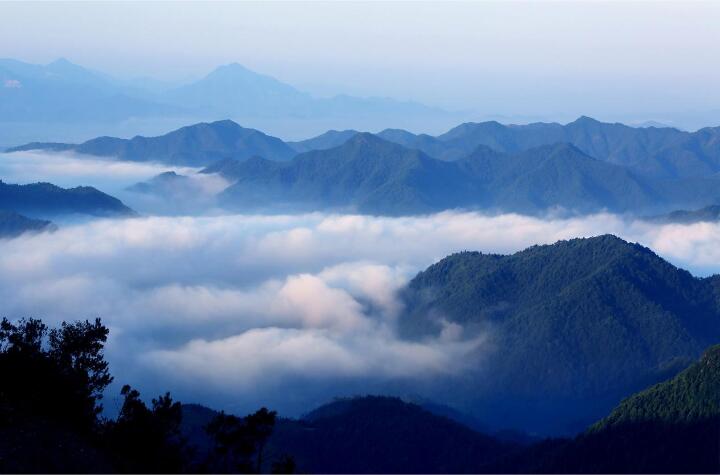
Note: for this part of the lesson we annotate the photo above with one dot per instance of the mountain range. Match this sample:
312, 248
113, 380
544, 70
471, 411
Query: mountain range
473, 166
650, 151
572, 327
370, 175
60, 93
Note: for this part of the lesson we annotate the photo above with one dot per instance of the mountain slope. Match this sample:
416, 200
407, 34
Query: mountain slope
672, 427
573, 327
194, 145
46, 199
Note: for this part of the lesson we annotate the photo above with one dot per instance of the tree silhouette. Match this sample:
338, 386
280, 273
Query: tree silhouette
146, 439
61, 374
239, 440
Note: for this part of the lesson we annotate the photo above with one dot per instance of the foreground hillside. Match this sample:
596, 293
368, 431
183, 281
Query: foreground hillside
369, 434
572, 327
673, 427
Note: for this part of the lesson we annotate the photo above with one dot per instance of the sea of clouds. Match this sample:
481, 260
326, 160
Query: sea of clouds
239, 310
236, 311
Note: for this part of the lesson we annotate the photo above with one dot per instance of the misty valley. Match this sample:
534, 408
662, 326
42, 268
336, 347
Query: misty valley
359, 237
511, 299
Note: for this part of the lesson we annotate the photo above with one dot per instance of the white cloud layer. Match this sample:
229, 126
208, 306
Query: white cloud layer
238, 307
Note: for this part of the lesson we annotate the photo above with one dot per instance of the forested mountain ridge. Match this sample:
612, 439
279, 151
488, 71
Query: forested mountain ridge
578, 324
368, 174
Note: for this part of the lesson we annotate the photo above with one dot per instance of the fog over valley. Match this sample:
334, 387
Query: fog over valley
236, 309
452, 237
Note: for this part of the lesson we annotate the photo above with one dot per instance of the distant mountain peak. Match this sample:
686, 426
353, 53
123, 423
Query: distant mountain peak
584, 119
62, 62
232, 68
364, 139
225, 123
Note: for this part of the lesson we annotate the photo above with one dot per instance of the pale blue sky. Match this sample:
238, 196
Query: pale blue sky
550, 60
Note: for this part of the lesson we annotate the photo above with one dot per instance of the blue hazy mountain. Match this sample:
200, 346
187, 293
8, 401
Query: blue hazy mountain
651, 151
573, 327
63, 92
194, 145
46, 199
13, 225
66, 98
233, 90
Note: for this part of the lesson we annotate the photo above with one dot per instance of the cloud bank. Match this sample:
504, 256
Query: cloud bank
193, 195
242, 310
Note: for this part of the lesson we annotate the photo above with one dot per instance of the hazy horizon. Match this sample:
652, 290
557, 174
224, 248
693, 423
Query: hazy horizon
630, 62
